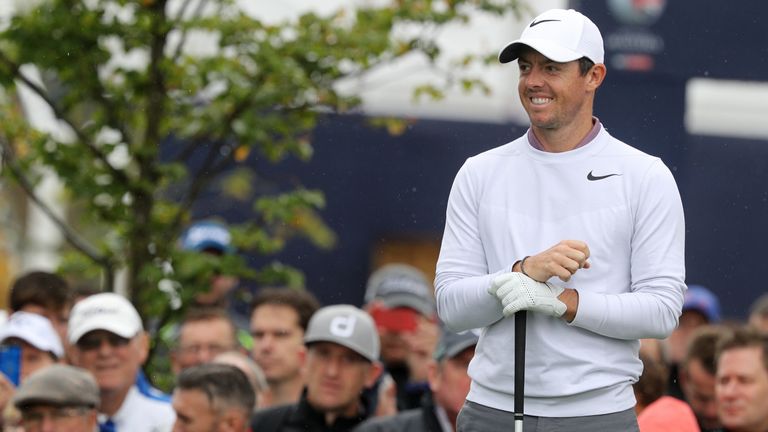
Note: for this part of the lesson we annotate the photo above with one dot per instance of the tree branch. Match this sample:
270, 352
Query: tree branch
199, 10
72, 238
119, 175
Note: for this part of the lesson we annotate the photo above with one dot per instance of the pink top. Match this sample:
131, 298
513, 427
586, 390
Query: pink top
667, 414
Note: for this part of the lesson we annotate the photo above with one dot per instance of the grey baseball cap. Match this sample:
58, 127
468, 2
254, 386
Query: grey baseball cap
347, 326
452, 344
401, 285
60, 385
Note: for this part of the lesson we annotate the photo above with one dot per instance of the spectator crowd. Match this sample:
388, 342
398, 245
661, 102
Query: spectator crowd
75, 362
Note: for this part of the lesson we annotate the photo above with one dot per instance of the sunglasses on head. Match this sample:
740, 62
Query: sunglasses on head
93, 341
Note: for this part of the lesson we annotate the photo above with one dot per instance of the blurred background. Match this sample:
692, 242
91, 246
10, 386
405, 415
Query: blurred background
687, 81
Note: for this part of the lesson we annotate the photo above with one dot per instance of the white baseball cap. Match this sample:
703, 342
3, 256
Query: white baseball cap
347, 326
34, 329
106, 311
560, 35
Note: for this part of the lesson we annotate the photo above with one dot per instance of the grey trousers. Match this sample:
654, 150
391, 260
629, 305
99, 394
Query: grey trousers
479, 418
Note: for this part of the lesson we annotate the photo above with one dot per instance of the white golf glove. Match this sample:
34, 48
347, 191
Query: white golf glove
517, 292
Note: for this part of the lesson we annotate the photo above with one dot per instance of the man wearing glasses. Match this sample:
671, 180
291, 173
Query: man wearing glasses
108, 339
203, 334
58, 398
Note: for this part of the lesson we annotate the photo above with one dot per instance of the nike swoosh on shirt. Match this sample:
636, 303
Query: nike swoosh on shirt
535, 23
592, 177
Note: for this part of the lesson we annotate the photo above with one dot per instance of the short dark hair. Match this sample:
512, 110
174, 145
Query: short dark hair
702, 347
652, 383
743, 337
224, 385
198, 314
40, 288
302, 301
585, 65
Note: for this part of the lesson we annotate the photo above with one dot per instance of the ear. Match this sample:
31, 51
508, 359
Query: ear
433, 376
142, 345
232, 420
92, 420
175, 367
595, 76
374, 371
682, 375
302, 354
73, 354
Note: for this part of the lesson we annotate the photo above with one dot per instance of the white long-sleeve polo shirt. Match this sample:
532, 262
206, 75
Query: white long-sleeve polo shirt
514, 201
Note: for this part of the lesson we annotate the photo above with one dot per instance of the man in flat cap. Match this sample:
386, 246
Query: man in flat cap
58, 398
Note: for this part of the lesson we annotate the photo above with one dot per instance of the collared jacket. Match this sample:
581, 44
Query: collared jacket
302, 417
414, 420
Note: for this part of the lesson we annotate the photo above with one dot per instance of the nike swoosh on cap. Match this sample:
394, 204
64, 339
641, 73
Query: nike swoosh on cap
535, 23
592, 177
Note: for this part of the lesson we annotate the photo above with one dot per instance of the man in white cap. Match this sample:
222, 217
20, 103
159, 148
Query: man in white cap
37, 339
29, 342
342, 361
108, 339
577, 228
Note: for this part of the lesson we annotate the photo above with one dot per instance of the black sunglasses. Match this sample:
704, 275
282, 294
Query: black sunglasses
93, 341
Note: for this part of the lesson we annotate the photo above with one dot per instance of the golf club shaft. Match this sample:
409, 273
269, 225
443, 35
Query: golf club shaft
520, 321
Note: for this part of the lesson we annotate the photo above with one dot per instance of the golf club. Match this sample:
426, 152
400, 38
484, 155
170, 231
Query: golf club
520, 320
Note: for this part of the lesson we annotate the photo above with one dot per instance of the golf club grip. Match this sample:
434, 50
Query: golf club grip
520, 321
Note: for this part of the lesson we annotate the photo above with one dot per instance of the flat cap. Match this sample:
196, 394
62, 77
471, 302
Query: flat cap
60, 385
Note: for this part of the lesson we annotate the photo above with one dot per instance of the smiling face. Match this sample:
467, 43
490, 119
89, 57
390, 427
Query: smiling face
114, 361
741, 389
555, 95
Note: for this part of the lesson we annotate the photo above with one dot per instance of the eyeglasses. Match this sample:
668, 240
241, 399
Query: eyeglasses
34, 418
94, 340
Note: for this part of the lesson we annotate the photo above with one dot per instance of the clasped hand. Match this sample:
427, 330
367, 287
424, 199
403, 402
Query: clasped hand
517, 292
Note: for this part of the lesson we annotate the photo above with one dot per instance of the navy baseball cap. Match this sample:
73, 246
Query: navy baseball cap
702, 300
207, 235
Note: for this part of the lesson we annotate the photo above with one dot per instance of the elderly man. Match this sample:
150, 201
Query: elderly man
108, 339
213, 397
58, 398
342, 360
